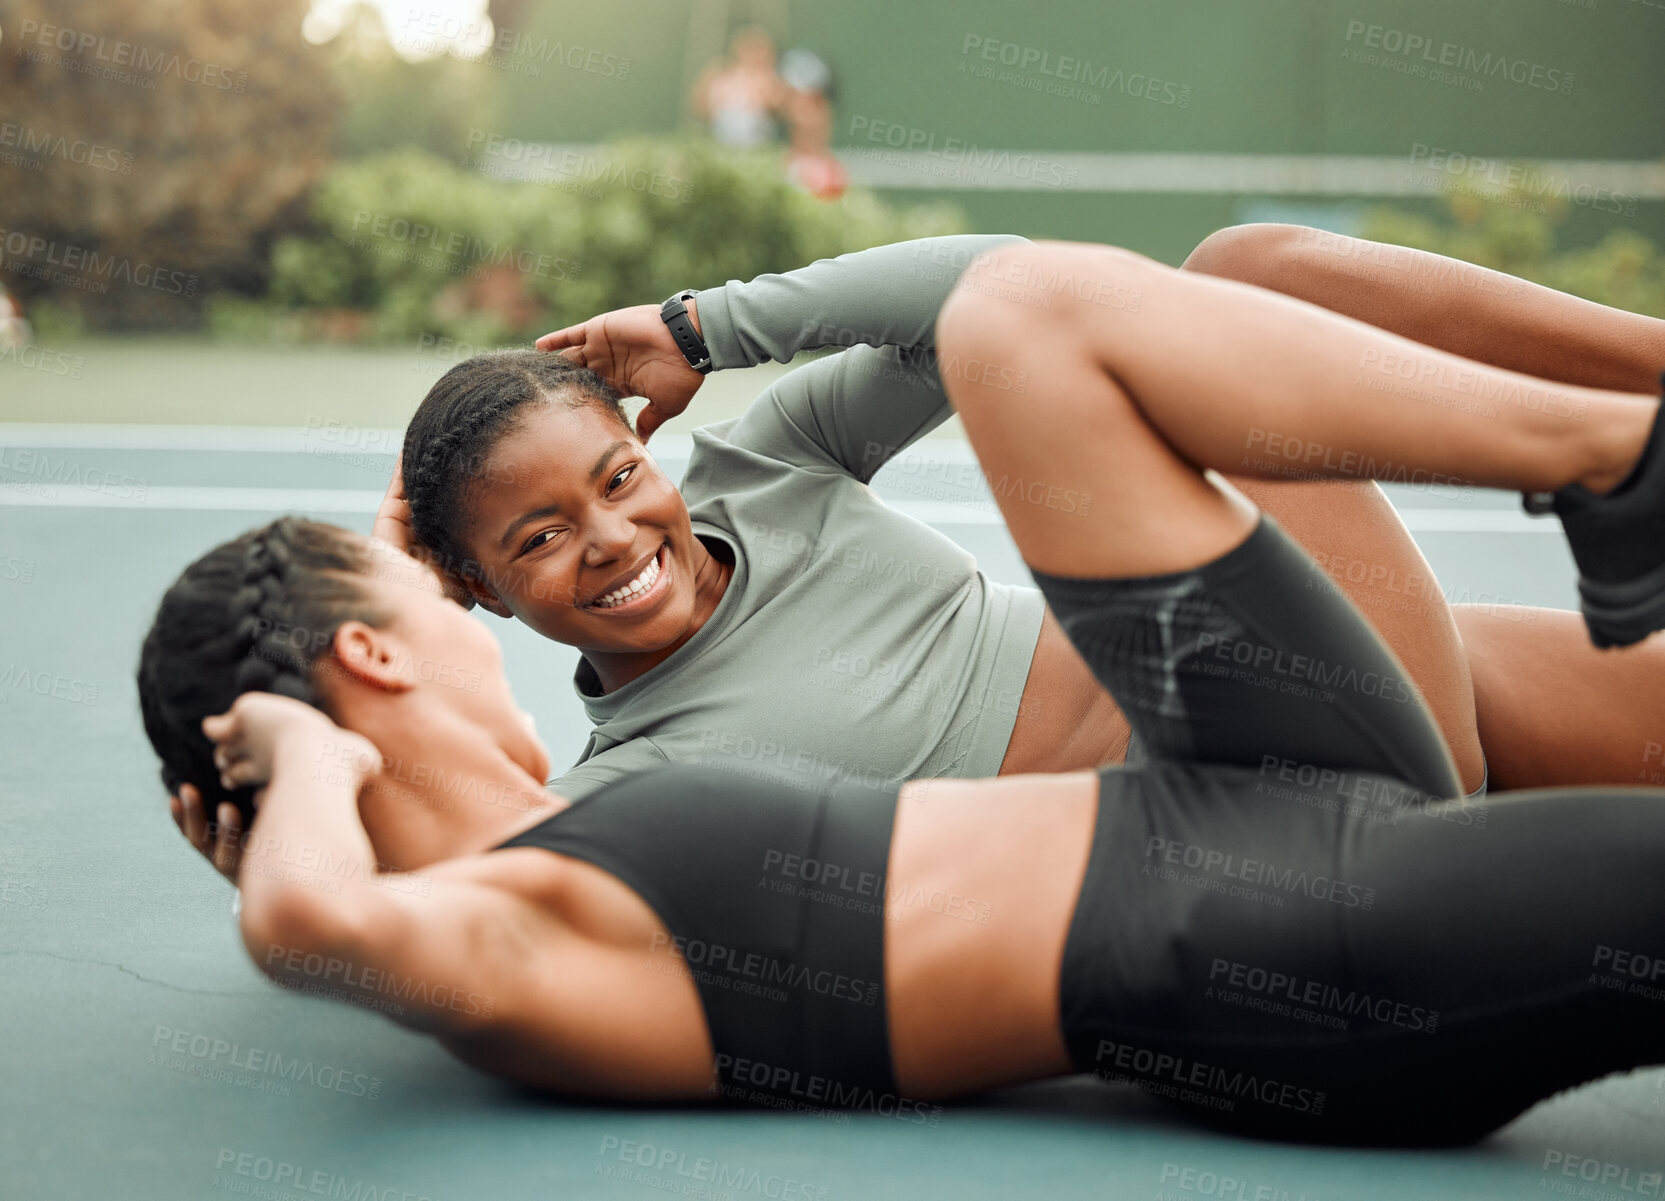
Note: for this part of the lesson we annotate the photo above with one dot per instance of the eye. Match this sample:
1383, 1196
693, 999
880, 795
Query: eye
622, 474
540, 539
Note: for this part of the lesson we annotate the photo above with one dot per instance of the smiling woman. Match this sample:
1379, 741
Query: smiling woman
791, 605
483, 497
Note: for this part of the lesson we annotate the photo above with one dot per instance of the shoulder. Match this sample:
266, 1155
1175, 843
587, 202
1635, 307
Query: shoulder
739, 444
734, 472
779, 431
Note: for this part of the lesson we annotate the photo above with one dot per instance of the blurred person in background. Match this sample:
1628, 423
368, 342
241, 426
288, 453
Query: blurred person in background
740, 97
810, 163
14, 328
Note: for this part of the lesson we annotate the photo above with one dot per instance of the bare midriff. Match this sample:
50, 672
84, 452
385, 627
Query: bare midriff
982, 885
1066, 721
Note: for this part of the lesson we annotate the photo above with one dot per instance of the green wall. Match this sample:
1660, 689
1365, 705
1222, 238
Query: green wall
1257, 76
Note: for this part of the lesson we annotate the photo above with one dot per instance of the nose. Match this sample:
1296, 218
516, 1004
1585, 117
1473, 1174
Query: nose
608, 537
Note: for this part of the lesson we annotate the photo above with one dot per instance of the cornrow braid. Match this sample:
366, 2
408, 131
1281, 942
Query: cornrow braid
450, 438
269, 664
255, 614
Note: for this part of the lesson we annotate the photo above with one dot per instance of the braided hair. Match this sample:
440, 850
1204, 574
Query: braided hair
255, 614
465, 414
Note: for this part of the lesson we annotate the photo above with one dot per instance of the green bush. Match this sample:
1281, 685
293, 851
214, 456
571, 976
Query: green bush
428, 247
1515, 231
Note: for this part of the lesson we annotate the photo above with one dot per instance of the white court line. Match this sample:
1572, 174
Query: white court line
965, 167
167, 437
357, 500
1475, 521
919, 460
237, 438
191, 498
1224, 174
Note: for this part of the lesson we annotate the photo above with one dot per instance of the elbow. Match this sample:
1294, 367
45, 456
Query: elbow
292, 936
1251, 254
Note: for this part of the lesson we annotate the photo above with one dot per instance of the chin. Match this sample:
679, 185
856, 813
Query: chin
665, 629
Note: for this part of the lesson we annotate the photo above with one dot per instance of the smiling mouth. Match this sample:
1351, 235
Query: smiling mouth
640, 592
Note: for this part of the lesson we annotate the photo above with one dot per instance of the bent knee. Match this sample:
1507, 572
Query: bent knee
1007, 294
1244, 252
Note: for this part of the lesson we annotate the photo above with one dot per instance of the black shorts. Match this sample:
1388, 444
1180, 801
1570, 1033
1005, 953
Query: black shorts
1286, 928
1258, 654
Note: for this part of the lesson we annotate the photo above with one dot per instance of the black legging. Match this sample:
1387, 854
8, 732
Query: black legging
1284, 928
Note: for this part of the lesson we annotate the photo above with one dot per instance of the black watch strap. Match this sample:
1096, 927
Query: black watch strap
674, 313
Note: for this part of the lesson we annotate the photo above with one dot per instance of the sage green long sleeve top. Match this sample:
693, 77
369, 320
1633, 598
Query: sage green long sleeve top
853, 640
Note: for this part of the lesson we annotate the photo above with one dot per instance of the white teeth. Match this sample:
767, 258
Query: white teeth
635, 588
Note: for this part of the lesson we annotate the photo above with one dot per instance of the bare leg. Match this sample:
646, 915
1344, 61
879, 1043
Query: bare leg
1555, 710
1482, 315
1204, 372
1545, 702
1352, 531
1350, 528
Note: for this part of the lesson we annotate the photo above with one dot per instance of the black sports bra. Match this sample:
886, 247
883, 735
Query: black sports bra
773, 895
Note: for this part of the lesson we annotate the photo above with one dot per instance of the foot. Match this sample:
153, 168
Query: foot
1618, 541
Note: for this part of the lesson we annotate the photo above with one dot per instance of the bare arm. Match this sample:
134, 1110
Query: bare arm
433, 951
1445, 303
442, 956
567, 981
702, 92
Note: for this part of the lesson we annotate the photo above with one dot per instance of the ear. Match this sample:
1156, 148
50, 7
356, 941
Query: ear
372, 657
486, 598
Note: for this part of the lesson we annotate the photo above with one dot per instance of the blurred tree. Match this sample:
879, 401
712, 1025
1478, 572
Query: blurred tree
392, 103
155, 150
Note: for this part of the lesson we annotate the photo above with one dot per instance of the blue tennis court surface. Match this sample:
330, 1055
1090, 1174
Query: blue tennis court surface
144, 1057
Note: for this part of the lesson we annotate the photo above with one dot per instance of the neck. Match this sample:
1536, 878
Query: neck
615, 669
460, 794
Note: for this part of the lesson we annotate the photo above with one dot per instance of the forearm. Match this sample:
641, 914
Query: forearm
307, 852
886, 296
1483, 315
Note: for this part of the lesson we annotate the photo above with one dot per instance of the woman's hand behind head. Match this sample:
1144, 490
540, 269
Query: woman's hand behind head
634, 352
219, 841
393, 528
262, 730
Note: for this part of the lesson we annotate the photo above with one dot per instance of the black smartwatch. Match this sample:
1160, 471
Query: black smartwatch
674, 313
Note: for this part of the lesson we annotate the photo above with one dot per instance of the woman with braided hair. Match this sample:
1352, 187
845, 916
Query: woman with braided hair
244, 626
689, 934
261, 614
771, 607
